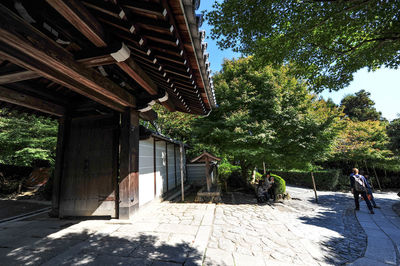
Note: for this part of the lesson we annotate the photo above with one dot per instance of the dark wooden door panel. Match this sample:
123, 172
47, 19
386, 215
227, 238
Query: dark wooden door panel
89, 180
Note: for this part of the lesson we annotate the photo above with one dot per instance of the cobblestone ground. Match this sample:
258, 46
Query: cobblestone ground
237, 232
292, 232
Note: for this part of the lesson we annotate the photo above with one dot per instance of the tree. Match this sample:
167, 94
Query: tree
393, 131
363, 141
176, 125
360, 107
326, 41
265, 114
25, 138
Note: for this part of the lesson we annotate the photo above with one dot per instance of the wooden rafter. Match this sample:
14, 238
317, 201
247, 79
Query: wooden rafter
91, 25
31, 102
18, 76
76, 13
134, 71
23, 45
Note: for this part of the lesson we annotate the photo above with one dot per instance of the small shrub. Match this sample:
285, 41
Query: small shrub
280, 184
258, 176
227, 173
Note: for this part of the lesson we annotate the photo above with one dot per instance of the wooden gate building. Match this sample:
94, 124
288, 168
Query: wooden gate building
99, 66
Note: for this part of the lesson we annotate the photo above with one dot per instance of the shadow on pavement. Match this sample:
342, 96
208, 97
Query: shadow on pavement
57, 242
338, 215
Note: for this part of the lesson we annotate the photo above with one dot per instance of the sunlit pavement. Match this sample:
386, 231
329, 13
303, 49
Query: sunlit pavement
383, 230
239, 232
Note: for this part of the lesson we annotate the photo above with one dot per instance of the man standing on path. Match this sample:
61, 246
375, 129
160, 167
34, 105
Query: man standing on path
358, 188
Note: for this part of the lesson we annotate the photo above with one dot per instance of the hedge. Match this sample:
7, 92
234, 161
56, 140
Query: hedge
280, 184
324, 180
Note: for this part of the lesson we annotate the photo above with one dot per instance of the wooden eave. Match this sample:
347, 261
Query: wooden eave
70, 42
204, 156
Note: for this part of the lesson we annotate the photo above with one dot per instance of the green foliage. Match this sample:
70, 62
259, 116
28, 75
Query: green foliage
25, 138
324, 180
393, 131
363, 141
258, 176
176, 125
326, 41
280, 184
225, 170
360, 107
266, 115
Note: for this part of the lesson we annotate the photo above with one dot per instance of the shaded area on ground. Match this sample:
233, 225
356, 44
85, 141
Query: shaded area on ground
56, 242
336, 213
11, 208
396, 208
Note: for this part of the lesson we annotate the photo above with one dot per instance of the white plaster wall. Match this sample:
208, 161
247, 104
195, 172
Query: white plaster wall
161, 180
146, 171
171, 167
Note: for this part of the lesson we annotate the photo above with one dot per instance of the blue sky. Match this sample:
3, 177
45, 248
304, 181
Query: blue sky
383, 84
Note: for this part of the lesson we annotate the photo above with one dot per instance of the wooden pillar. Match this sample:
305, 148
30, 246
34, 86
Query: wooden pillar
208, 178
176, 177
166, 162
182, 185
129, 164
155, 166
62, 136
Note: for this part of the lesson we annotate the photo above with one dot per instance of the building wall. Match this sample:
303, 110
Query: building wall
196, 174
172, 178
146, 171
161, 175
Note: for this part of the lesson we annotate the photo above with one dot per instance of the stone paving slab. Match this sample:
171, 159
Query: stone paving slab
239, 232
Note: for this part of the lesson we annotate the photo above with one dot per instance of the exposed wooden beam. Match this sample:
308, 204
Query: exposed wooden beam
24, 45
133, 70
77, 14
97, 61
18, 76
31, 102
149, 115
136, 73
144, 8
169, 105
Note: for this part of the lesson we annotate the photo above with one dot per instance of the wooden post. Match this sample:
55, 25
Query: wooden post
315, 187
176, 181
155, 166
182, 185
129, 164
377, 179
166, 162
208, 179
63, 128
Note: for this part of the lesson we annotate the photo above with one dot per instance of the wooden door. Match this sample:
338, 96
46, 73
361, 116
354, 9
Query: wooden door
90, 172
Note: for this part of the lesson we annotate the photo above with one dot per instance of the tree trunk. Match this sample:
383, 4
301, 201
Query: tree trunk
244, 170
366, 167
253, 176
377, 179
315, 187
265, 171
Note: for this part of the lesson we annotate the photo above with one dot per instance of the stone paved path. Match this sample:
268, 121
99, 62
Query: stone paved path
239, 232
383, 230
296, 232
